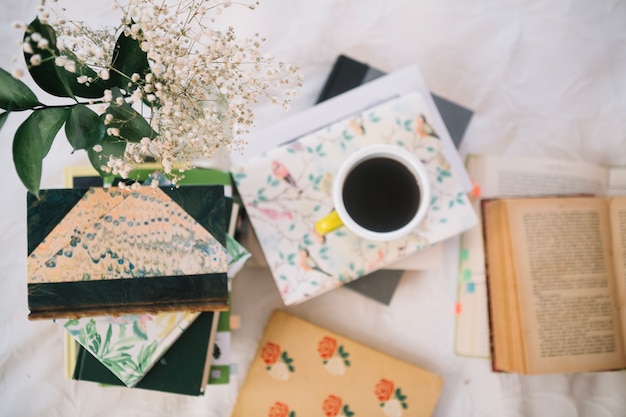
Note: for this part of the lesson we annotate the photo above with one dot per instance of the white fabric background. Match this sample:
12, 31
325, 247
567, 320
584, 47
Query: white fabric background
544, 78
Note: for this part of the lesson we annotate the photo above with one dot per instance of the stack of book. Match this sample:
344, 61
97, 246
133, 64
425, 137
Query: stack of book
285, 180
148, 307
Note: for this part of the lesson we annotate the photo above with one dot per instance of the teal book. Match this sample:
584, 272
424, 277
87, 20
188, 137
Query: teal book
183, 369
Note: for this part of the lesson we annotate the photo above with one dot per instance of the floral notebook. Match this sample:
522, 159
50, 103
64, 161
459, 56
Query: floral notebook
129, 345
287, 189
301, 369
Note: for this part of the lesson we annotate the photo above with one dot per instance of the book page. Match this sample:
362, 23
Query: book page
506, 327
499, 176
508, 176
616, 182
618, 217
564, 269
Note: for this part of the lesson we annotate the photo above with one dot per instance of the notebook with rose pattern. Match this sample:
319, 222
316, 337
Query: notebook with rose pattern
301, 369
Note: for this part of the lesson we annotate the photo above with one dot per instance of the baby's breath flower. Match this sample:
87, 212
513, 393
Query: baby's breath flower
42, 43
17, 73
26, 47
97, 148
35, 60
60, 61
201, 85
70, 66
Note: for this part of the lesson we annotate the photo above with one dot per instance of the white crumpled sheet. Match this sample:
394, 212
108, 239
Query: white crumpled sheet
544, 78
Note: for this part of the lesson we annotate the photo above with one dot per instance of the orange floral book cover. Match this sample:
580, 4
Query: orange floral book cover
301, 370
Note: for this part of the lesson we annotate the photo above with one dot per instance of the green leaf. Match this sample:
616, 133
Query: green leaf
145, 354
128, 58
132, 125
54, 79
92, 89
28, 154
84, 128
14, 94
123, 348
107, 340
71, 322
96, 343
49, 121
110, 147
3, 118
90, 327
47, 74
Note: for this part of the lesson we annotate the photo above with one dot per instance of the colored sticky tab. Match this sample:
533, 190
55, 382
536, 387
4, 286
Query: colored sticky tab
470, 287
475, 193
467, 274
457, 309
235, 322
464, 254
234, 369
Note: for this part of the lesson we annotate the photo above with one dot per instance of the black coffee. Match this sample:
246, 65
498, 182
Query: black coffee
381, 194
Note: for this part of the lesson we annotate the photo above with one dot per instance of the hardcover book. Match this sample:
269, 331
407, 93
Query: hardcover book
555, 268
301, 369
348, 73
182, 369
287, 189
120, 239
497, 176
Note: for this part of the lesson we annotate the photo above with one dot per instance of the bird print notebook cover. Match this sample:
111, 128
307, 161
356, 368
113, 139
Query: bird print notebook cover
287, 189
301, 369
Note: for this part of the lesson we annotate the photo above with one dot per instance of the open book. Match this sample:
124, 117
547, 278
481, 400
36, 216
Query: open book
555, 275
514, 176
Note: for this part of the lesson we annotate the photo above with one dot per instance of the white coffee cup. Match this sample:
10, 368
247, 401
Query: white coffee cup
381, 192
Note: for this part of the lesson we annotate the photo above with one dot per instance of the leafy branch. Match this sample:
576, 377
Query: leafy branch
62, 74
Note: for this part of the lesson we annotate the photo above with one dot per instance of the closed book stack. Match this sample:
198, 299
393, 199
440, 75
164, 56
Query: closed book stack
174, 349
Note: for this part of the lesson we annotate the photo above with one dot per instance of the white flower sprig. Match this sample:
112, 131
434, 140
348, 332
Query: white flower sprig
196, 89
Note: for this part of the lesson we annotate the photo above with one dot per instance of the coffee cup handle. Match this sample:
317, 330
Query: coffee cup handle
328, 223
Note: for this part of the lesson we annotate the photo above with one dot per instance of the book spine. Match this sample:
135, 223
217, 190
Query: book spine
128, 296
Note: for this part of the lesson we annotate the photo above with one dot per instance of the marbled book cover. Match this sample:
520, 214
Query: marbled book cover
110, 251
